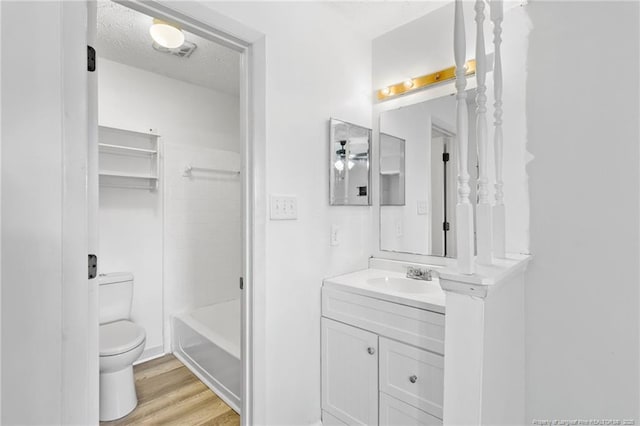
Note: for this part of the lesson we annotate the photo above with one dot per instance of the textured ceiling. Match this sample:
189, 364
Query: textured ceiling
123, 36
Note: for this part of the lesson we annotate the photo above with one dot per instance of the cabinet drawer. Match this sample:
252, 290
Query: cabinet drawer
412, 375
394, 412
417, 327
330, 420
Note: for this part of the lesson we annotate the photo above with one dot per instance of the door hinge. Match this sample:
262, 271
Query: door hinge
93, 266
445, 156
241, 283
445, 226
91, 59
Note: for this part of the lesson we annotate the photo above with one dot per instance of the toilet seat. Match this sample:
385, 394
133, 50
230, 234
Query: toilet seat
119, 337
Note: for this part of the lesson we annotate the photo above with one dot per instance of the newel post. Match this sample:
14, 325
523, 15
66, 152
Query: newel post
464, 209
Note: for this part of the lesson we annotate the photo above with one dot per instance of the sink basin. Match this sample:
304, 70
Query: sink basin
404, 285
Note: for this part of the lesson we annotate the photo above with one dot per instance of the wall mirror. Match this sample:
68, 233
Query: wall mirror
349, 171
418, 176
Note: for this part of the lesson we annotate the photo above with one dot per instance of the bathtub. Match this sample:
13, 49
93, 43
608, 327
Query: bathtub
207, 341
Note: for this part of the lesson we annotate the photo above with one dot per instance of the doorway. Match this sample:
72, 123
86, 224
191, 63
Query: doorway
197, 168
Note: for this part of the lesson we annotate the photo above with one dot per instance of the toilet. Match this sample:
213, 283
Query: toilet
121, 343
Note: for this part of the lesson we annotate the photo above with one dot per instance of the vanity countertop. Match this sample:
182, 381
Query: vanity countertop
379, 284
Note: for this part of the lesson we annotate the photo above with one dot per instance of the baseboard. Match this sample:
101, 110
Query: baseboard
150, 353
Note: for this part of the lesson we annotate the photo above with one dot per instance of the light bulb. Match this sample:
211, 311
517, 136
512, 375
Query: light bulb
408, 84
350, 164
166, 35
386, 91
339, 165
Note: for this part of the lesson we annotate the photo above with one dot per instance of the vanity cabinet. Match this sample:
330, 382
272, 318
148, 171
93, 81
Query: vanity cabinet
350, 372
382, 362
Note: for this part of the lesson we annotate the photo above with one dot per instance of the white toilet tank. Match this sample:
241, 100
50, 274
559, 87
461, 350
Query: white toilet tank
115, 292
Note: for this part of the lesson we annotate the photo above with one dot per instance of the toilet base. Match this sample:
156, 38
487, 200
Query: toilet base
117, 394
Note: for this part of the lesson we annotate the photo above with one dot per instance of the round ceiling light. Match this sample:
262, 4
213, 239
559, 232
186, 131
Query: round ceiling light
166, 35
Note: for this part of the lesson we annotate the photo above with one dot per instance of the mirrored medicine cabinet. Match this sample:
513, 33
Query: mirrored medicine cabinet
349, 166
418, 176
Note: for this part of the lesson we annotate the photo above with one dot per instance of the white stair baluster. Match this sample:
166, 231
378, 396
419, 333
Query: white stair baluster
483, 210
464, 209
499, 234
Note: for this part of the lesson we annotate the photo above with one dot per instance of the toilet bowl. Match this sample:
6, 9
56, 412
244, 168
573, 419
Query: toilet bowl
121, 344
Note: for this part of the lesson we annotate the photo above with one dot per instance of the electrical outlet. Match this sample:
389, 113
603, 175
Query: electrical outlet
283, 207
335, 235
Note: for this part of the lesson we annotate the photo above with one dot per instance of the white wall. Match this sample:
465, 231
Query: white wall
45, 289
31, 325
130, 229
202, 229
582, 293
200, 254
425, 45
183, 113
316, 68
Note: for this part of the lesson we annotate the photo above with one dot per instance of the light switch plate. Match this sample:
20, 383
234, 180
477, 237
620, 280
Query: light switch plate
283, 207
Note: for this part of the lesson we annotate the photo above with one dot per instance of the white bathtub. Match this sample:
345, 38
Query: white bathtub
207, 341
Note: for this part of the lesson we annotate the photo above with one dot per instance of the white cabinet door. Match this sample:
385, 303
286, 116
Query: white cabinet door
349, 373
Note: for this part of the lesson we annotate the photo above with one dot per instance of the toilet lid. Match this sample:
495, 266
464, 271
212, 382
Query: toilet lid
120, 336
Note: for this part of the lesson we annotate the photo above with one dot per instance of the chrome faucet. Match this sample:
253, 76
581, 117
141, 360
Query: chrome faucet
416, 273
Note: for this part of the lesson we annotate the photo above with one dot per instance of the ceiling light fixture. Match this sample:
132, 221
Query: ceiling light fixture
166, 35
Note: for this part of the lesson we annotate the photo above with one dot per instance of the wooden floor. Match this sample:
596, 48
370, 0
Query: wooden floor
169, 394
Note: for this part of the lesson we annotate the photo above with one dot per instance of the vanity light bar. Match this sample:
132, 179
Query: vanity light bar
424, 81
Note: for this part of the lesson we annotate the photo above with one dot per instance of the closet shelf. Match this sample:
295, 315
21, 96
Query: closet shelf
128, 159
127, 175
127, 148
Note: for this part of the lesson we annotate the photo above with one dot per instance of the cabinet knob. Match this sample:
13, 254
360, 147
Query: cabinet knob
413, 379
371, 350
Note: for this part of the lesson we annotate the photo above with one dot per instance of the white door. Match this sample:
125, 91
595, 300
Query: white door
349, 373
80, 361
92, 206
46, 362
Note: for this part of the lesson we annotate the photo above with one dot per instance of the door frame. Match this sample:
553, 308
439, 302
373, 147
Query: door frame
206, 22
